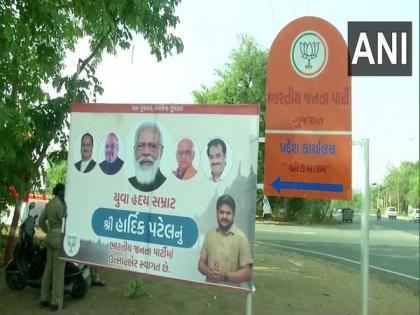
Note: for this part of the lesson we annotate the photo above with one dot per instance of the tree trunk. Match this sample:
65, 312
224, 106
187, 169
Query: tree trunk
12, 233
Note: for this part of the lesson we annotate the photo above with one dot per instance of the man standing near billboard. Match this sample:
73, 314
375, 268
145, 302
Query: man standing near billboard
225, 255
50, 222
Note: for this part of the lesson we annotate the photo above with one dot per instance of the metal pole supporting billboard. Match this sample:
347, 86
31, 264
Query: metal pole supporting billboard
248, 307
364, 244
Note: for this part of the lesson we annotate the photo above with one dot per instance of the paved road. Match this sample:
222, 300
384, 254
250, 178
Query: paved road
394, 245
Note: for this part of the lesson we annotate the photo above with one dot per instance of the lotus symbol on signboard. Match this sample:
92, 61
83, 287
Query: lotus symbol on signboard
309, 51
71, 242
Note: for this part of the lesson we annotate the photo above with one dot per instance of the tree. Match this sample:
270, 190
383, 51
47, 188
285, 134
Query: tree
242, 81
355, 203
34, 39
56, 173
402, 185
413, 194
294, 206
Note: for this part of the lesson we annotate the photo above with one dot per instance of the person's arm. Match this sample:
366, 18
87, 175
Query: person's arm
216, 274
242, 275
202, 262
202, 267
42, 220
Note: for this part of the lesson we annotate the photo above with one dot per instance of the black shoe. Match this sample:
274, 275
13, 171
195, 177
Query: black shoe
44, 304
54, 307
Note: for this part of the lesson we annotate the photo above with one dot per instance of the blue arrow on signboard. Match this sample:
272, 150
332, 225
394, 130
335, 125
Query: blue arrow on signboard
279, 185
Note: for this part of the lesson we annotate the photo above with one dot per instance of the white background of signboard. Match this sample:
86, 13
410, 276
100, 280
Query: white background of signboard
85, 192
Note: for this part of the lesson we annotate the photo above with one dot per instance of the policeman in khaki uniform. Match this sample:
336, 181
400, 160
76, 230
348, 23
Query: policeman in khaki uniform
50, 222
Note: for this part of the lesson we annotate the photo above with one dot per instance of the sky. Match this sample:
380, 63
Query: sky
385, 110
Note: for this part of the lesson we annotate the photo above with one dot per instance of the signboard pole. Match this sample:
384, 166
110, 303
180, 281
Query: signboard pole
248, 308
364, 245
365, 230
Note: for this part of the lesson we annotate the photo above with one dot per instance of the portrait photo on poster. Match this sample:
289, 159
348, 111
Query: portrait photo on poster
187, 158
217, 159
225, 255
151, 152
84, 153
111, 154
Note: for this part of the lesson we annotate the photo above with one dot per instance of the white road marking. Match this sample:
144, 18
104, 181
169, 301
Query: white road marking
339, 258
288, 231
295, 263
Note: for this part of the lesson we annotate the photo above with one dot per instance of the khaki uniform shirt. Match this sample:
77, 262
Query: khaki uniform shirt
227, 251
53, 213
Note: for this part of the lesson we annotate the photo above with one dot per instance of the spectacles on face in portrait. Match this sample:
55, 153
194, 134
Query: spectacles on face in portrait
184, 152
151, 146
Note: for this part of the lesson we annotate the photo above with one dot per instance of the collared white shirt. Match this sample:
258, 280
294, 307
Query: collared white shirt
84, 164
217, 180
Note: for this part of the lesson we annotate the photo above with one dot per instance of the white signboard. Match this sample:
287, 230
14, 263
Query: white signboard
143, 182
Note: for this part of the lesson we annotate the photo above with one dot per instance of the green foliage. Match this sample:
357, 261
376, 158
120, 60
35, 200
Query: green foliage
56, 173
242, 81
356, 200
401, 186
3, 241
306, 210
413, 194
136, 288
355, 203
294, 206
35, 96
319, 210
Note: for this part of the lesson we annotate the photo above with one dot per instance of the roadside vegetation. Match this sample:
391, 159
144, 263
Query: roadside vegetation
286, 283
240, 81
37, 88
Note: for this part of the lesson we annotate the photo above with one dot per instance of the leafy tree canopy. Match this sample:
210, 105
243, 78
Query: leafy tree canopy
401, 186
56, 173
34, 39
242, 81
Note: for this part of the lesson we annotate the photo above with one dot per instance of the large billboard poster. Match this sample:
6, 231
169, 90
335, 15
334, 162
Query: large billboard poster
144, 182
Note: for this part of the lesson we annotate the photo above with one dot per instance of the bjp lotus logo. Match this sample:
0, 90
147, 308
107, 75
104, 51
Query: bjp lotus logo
309, 51
309, 54
71, 244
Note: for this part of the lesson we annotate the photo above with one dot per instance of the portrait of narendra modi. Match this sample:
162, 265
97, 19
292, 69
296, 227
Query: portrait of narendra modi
148, 150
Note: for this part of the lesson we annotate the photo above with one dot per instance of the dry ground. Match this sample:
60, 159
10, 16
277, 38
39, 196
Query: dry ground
286, 283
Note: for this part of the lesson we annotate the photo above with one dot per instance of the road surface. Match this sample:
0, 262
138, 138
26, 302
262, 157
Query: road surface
394, 245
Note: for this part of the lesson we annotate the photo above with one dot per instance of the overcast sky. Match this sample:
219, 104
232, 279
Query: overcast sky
385, 109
